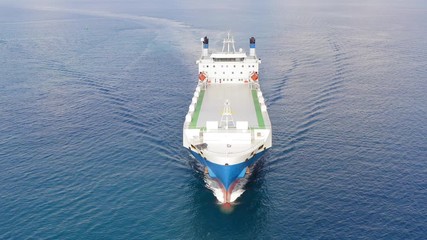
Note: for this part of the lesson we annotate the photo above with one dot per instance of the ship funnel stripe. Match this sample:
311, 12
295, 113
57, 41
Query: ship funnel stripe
205, 41
252, 42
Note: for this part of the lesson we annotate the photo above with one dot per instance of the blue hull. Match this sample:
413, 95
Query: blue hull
227, 175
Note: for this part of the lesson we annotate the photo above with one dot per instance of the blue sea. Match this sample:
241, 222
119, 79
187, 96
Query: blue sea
93, 96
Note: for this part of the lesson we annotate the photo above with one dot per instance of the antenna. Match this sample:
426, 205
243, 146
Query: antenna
229, 41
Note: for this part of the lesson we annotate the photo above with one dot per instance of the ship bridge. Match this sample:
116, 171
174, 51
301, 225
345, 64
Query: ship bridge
229, 65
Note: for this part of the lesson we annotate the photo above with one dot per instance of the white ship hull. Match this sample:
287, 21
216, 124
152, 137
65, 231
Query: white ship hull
227, 127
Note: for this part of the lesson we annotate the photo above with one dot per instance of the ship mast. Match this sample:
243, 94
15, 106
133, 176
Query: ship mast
229, 41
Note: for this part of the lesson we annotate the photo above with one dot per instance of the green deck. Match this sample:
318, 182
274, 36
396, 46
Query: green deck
196, 113
261, 123
198, 108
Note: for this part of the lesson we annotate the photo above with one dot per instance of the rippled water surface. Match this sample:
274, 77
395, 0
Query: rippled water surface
93, 98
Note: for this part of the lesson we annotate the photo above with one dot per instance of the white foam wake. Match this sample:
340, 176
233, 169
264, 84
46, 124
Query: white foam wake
218, 192
183, 36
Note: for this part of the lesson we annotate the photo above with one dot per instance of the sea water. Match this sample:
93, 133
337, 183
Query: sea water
93, 97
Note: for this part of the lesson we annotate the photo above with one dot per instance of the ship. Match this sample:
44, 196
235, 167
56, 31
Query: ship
227, 127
